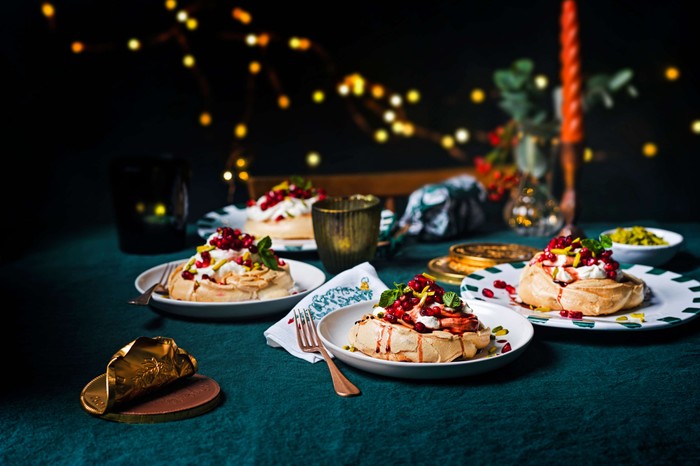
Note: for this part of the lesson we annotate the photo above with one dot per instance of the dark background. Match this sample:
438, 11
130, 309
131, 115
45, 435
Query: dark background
69, 115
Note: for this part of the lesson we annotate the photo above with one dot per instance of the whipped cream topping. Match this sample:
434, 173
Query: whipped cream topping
290, 207
230, 253
568, 260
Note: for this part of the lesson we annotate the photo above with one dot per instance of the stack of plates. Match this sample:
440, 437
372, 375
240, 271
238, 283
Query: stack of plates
469, 257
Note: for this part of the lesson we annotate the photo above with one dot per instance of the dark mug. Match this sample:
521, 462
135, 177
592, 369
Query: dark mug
150, 197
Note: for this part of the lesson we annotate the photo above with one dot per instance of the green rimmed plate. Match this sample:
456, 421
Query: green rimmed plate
674, 299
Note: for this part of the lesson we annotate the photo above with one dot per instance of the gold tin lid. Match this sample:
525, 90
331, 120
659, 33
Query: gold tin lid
488, 254
470, 257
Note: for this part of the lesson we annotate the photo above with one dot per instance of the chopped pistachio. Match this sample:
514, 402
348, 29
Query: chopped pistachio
637, 235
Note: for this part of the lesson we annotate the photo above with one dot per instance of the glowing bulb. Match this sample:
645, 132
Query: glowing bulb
377, 91
188, 61
478, 96
283, 101
541, 81
241, 130
254, 67
191, 24
318, 96
695, 127
241, 162
170, 4
408, 129
461, 135
381, 135
672, 73
182, 16
48, 10
263, 39
649, 149
447, 142
251, 39
77, 47
227, 175
395, 100
205, 119
313, 159
413, 96
343, 89
243, 176
241, 15
389, 116
160, 210
134, 44
294, 43
587, 155
397, 127
304, 44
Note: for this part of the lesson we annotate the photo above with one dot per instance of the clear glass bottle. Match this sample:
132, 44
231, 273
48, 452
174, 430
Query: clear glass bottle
531, 209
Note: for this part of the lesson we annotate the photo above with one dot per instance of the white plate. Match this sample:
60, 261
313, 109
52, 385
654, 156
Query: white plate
232, 216
306, 277
335, 326
675, 299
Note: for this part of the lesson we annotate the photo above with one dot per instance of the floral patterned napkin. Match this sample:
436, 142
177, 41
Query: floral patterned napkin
351, 286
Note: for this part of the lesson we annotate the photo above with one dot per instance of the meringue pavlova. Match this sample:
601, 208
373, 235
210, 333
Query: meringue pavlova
230, 267
576, 275
419, 322
284, 212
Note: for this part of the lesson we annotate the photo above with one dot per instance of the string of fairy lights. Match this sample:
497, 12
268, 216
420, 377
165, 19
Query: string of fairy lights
359, 93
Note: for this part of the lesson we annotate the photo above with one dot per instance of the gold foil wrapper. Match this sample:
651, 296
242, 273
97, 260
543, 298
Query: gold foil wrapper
140, 368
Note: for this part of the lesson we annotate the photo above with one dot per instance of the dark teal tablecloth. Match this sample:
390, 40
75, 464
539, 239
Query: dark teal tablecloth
572, 397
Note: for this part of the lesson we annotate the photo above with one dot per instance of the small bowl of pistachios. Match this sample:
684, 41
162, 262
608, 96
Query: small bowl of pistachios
643, 245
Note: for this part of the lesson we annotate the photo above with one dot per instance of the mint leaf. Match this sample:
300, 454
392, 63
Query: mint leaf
266, 255
389, 296
597, 246
451, 299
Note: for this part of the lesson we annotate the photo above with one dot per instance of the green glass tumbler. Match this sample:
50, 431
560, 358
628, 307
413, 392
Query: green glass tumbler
346, 229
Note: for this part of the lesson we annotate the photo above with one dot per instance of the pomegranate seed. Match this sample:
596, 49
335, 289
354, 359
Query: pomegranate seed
571, 314
506, 348
486, 292
420, 327
510, 289
187, 275
407, 318
499, 284
391, 318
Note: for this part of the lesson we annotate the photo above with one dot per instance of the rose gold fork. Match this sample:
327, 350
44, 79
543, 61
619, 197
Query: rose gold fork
310, 343
161, 285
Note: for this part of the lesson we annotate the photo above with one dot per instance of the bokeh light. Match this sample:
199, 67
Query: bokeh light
672, 73
649, 149
313, 159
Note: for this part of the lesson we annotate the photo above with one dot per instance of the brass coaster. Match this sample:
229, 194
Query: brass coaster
441, 270
183, 399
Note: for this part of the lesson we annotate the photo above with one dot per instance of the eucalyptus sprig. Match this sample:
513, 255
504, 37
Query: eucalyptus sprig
535, 115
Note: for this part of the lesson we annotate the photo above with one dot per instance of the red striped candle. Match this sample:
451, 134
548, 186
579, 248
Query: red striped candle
572, 102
